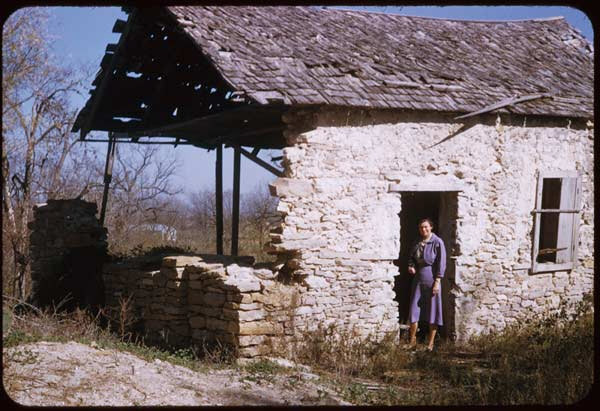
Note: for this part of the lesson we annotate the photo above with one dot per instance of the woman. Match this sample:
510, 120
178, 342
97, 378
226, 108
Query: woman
427, 263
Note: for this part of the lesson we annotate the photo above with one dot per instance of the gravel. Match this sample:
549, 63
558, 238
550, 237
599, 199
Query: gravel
59, 374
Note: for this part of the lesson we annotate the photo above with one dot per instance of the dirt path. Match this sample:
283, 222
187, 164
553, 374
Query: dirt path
57, 374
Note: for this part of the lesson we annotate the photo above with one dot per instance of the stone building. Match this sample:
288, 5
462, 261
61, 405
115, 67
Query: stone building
485, 127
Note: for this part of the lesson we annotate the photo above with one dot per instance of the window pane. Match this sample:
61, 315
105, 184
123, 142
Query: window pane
549, 221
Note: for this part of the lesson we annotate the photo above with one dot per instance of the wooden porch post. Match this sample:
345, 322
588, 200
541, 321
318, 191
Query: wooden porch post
110, 156
219, 197
235, 213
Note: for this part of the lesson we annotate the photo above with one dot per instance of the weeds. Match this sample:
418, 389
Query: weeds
263, 366
52, 325
347, 354
545, 360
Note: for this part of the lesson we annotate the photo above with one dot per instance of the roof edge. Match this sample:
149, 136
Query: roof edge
445, 19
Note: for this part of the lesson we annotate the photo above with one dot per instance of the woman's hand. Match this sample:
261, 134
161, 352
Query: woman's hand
411, 270
436, 287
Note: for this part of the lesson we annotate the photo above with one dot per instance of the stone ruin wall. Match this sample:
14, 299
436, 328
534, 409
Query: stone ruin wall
341, 232
67, 249
181, 300
341, 199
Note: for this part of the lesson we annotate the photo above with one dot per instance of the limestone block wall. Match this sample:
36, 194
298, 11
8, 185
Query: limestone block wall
205, 299
345, 172
67, 250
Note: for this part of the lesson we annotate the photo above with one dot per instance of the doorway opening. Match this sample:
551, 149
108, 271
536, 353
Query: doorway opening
441, 208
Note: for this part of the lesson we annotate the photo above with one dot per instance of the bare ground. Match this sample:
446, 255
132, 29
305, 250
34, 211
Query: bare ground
48, 373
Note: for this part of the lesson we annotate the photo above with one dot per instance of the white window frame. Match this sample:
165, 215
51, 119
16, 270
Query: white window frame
537, 267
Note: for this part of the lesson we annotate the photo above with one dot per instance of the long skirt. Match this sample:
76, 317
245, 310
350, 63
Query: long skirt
424, 306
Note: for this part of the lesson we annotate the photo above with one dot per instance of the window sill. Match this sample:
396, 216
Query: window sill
539, 268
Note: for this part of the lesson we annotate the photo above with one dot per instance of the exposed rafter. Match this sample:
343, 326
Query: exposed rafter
96, 98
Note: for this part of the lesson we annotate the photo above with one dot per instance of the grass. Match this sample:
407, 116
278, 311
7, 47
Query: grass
545, 360
79, 326
262, 371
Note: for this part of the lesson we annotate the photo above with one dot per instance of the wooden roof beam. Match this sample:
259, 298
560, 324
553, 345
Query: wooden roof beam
107, 75
261, 162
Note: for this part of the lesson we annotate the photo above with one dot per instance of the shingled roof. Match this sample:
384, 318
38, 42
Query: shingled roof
212, 75
304, 55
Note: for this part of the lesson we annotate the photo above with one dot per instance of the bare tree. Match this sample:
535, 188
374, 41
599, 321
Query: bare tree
36, 143
203, 218
258, 213
142, 192
42, 159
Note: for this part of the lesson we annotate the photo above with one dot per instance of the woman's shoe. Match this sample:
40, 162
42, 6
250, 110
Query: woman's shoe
410, 346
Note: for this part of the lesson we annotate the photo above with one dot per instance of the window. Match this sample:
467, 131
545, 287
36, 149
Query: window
556, 221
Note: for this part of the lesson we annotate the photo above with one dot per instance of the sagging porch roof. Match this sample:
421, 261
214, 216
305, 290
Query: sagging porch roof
234, 70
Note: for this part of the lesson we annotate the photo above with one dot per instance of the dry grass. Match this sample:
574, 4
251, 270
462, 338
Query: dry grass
545, 360
105, 330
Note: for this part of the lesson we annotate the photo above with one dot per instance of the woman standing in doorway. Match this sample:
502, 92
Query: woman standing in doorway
427, 263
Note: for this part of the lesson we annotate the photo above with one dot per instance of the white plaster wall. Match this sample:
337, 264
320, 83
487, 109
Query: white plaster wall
341, 215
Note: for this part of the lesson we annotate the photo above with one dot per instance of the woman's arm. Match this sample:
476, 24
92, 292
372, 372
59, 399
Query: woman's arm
440, 260
412, 262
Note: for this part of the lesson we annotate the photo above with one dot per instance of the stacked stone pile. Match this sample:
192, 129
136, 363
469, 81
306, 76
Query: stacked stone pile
130, 290
206, 300
67, 248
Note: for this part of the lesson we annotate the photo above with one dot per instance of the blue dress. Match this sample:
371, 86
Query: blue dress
424, 306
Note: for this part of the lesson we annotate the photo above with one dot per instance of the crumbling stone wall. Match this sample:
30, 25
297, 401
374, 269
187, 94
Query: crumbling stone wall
205, 299
341, 197
67, 249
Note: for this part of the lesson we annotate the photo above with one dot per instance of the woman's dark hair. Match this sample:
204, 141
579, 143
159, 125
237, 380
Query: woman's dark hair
423, 220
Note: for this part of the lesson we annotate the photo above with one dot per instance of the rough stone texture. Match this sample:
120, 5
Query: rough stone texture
203, 300
344, 230
340, 202
67, 250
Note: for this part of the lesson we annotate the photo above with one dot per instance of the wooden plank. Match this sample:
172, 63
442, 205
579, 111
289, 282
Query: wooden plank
106, 77
158, 96
106, 60
504, 103
110, 156
169, 143
565, 221
261, 163
557, 210
559, 173
235, 212
252, 132
219, 198
576, 221
551, 267
536, 225
109, 124
119, 26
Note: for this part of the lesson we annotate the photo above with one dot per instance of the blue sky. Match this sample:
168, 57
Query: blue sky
83, 32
